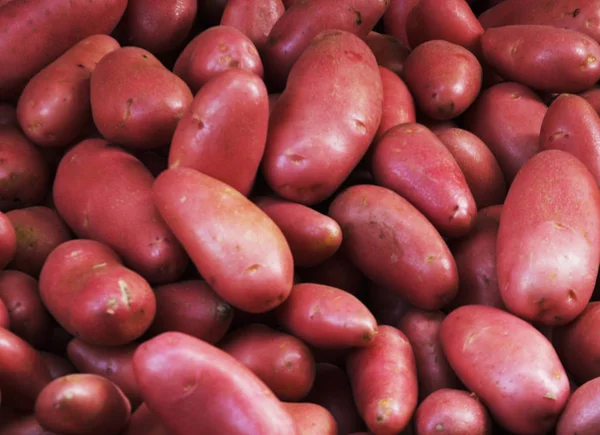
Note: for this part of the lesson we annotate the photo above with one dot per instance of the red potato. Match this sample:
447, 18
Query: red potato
24, 175
93, 296
387, 305
235, 246
54, 108
123, 108
317, 136
592, 96
194, 387
389, 51
547, 249
213, 51
410, 160
57, 365
224, 131
478, 164
582, 414
508, 117
444, 78
46, 27
4, 316
144, 422
384, 382
398, 103
312, 419
8, 114
422, 329
191, 307
395, 19
104, 193
452, 411
337, 271
508, 364
8, 240
81, 404
254, 18
327, 317
29, 319
313, 237
38, 231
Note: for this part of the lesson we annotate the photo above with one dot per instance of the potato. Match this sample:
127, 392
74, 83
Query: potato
112, 363
93, 296
230, 106
213, 51
123, 109
547, 249
8, 114
312, 419
337, 107
422, 329
508, 117
38, 231
582, 413
312, 236
508, 364
387, 305
8, 241
24, 175
592, 96
54, 108
389, 51
444, 78
191, 307
395, 19
105, 194
157, 25
454, 412
58, 366
82, 404
4, 316
144, 422
398, 103
337, 271
395, 246
194, 387
384, 381
28, 316
36, 32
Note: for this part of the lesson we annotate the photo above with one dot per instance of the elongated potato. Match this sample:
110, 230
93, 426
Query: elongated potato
398, 103
312, 419
389, 51
582, 413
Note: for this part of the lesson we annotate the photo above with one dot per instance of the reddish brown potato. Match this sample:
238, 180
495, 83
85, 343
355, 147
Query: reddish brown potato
395, 19
312, 419
57, 365
82, 404
8, 240
337, 271
398, 103
387, 305
389, 51
8, 114
144, 422
582, 414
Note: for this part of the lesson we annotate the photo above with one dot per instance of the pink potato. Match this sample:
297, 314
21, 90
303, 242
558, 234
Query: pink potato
582, 414
398, 103
395, 19
8, 240
312, 419
389, 51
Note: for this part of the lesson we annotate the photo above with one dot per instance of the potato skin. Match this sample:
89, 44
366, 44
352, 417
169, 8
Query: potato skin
82, 404
312, 419
384, 381
144, 422
547, 249
49, 28
337, 127
205, 390
395, 19
232, 105
253, 272
508, 364
582, 414
111, 201
398, 103
389, 51
8, 240
54, 108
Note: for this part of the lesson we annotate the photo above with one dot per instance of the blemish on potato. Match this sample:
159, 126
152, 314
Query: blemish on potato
253, 269
571, 295
558, 135
296, 159
222, 47
588, 61
189, 386
99, 265
550, 396
430, 258
515, 96
360, 126
439, 428
358, 17
111, 306
384, 409
552, 275
183, 199
314, 311
125, 292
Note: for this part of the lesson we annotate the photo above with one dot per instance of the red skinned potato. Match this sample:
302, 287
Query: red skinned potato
452, 411
327, 317
398, 103
389, 51
582, 413
205, 390
235, 246
547, 249
312, 419
8, 114
444, 78
144, 422
54, 108
395, 19
38, 231
8, 240
283, 362
230, 106
123, 108
545, 58
384, 381
336, 128
58, 366
337, 271
93, 296
508, 117
508, 364
35, 33
312, 236
213, 51
81, 404
121, 213
193, 308
407, 159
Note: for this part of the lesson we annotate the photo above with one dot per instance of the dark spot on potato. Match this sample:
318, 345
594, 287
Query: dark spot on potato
223, 311
353, 55
557, 318
253, 269
455, 210
234, 63
296, 159
358, 17
360, 126
288, 364
571, 295
515, 96
433, 95
368, 336
446, 108
558, 135
80, 65
576, 12
144, 56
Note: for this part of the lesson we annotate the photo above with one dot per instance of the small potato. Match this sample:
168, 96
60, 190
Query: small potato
8, 241
337, 271
384, 381
398, 103
144, 422
581, 416
312, 419
8, 113
58, 366
444, 78
454, 412
191, 307
389, 51
82, 404
395, 19
213, 51
508, 364
386, 305
38, 231
312, 236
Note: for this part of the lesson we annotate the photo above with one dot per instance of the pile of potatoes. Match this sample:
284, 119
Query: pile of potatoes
294, 217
